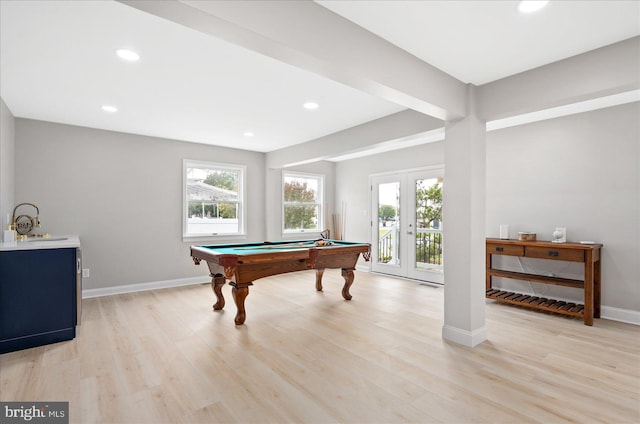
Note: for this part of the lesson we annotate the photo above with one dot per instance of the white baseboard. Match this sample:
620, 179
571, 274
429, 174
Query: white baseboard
464, 337
622, 315
363, 267
130, 288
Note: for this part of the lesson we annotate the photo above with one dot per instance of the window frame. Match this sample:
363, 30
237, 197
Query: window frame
320, 203
241, 202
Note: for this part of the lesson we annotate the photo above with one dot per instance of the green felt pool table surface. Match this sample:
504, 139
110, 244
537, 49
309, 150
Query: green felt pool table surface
271, 246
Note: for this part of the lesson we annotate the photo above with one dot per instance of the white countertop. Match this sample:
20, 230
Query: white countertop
53, 242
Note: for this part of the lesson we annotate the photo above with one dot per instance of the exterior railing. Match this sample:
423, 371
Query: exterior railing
429, 246
388, 246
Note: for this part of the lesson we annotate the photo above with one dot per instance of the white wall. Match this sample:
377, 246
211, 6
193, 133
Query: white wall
580, 172
122, 194
7, 148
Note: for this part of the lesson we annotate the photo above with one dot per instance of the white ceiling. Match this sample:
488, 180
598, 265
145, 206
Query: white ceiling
58, 63
481, 41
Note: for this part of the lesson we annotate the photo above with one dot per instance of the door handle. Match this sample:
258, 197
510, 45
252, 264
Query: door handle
409, 232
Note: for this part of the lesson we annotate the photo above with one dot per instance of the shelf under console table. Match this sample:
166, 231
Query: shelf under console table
589, 254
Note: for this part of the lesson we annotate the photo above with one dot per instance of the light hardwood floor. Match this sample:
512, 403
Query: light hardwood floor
311, 357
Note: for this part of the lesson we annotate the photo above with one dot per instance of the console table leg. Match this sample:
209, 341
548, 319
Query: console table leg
488, 267
588, 289
596, 290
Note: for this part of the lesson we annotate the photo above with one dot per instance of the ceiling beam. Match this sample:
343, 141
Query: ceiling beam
607, 71
311, 37
400, 129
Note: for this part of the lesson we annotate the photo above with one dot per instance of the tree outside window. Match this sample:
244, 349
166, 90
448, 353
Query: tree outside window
302, 209
386, 213
429, 222
429, 203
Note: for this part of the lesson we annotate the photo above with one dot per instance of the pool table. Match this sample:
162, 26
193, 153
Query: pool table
242, 264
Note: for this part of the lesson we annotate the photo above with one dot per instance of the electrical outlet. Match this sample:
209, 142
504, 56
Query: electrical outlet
85, 273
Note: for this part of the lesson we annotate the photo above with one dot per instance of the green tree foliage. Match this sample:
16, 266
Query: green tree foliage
300, 209
223, 179
195, 208
227, 210
428, 211
429, 204
386, 213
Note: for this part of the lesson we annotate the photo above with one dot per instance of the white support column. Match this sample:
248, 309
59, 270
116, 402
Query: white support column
464, 228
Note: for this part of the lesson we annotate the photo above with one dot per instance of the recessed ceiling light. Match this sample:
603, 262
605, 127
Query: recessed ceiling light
248, 134
128, 55
110, 109
528, 6
310, 105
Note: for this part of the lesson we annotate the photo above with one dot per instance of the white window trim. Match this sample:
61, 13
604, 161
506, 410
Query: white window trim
241, 234
321, 211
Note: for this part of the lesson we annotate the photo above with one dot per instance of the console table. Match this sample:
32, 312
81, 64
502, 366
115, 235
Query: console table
589, 254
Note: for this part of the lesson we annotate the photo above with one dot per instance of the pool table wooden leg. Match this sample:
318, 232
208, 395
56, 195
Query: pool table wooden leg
240, 293
217, 282
319, 273
348, 280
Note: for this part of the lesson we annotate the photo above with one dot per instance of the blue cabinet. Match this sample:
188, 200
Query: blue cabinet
38, 297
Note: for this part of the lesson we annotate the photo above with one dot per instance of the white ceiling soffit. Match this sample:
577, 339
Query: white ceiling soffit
58, 64
481, 41
401, 143
541, 115
527, 118
556, 112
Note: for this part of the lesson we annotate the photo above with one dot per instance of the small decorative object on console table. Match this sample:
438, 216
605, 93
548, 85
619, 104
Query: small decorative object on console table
589, 254
526, 236
560, 235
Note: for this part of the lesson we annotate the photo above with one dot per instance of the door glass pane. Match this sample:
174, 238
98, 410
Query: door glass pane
388, 223
429, 224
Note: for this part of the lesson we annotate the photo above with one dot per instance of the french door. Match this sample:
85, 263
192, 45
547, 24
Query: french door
407, 234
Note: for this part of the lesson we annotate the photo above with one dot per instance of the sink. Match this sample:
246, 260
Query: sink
47, 239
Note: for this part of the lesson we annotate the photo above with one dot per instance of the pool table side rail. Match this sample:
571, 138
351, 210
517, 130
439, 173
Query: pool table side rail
264, 263
224, 258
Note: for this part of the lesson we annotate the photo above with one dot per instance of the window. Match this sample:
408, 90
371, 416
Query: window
303, 199
213, 199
